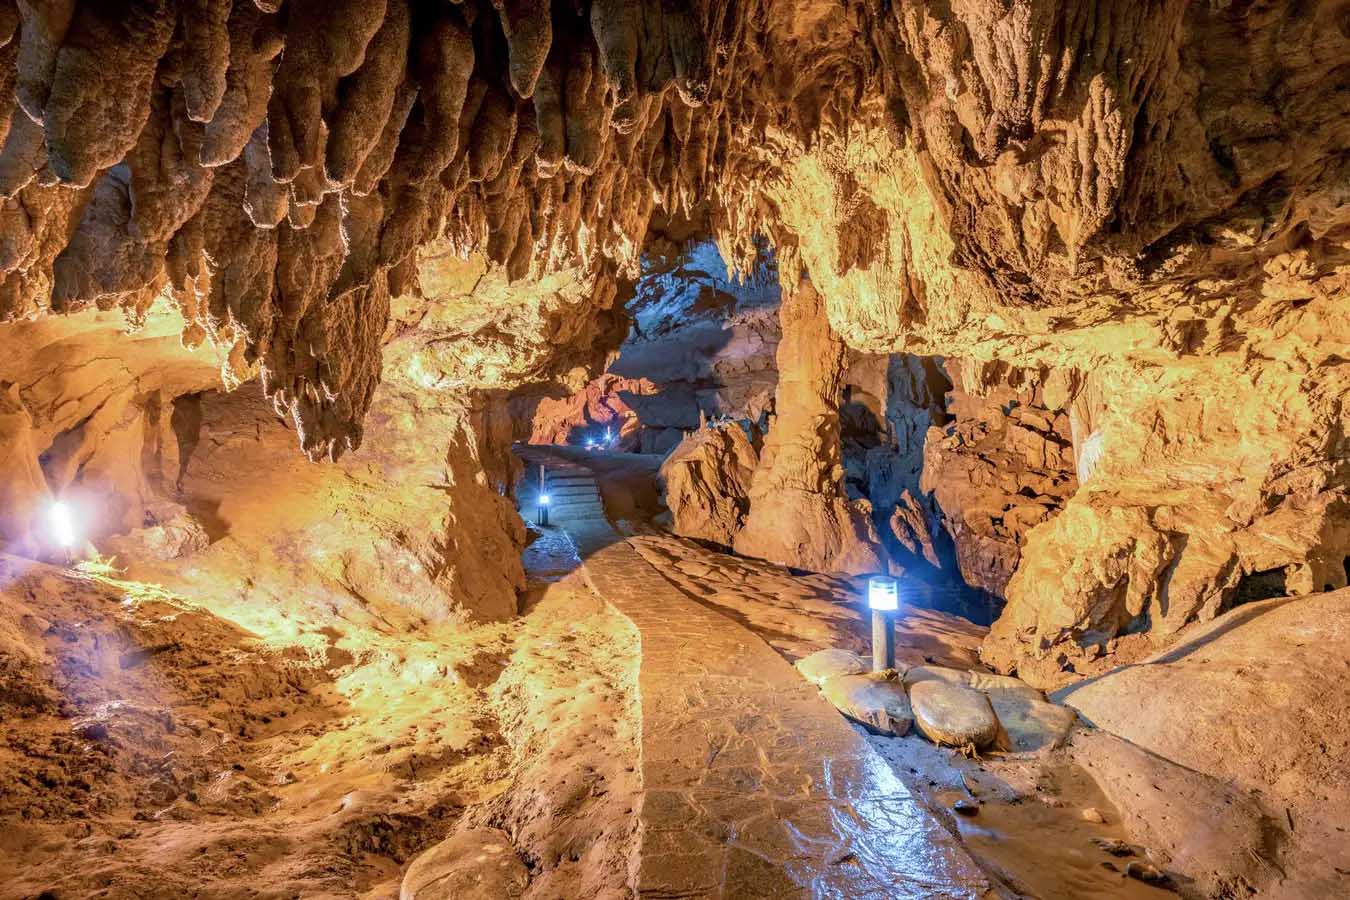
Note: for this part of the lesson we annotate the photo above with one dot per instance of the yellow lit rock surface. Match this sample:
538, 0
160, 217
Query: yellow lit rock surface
1065, 322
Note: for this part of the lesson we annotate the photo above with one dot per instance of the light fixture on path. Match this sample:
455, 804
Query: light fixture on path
883, 598
541, 516
61, 523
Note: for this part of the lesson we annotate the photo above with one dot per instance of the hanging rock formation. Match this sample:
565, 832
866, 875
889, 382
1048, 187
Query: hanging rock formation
275, 166
1145, 202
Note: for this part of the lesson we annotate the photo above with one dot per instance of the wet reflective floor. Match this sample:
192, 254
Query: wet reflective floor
753, 786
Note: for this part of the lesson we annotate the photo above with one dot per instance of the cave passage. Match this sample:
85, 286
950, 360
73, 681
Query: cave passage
446, 449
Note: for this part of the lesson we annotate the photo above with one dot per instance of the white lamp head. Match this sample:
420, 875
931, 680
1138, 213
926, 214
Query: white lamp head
61, 523
543, 499
883, 593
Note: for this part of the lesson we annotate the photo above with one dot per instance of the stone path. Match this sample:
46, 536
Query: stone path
753, 786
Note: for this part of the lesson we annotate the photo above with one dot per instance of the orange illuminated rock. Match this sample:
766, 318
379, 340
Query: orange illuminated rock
706, 483
952, 715
477, 864
1157, 227
600, 412
798, 514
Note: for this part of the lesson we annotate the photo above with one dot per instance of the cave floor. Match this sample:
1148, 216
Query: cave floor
155, 745
753, 785
183, 734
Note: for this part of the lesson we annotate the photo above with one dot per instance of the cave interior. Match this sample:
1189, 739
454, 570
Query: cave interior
467, 450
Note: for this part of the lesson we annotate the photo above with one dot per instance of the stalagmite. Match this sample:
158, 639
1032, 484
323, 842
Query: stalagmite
798, 513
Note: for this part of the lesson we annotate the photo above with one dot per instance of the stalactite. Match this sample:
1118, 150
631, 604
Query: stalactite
545, 135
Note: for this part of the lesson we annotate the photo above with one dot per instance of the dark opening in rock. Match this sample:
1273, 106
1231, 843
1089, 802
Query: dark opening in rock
1256, 586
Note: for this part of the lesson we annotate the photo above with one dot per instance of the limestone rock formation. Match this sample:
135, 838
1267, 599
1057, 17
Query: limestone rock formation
475, 864
598, 413
180, 483
823, 665
276, 166
1029, 723
1168, 548
1222, 839
1065, 313
953, 715
1143, 204
1002, 466
701, 349
706, 483
880, 705
96, 420
1257, 701
799, 514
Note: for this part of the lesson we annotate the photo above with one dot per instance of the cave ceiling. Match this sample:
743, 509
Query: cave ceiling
957, 177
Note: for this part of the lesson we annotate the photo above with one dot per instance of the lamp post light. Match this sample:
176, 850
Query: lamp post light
542, 515
883, 598
62, 525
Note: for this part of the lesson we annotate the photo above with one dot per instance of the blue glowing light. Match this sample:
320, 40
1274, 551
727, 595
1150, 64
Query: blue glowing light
883, 593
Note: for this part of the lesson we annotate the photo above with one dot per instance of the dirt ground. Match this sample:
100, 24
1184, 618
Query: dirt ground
157, 745
152, 748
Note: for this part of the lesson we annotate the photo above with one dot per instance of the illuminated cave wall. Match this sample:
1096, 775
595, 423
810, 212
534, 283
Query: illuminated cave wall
699, 347
1143, 201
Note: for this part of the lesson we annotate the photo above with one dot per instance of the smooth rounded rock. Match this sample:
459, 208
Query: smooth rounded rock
1031, 723
952, 715
823, 665
477, 864
878, 704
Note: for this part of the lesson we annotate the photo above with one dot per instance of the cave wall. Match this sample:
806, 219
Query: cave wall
1150, 195
1148, 202
420, 530
183, 483
88, 416
1003, 465
700, 347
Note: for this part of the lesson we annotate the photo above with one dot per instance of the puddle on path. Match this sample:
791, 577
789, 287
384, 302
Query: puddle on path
1046, 850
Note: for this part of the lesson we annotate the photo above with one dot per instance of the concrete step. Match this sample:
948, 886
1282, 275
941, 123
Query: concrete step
567, 507
575, 512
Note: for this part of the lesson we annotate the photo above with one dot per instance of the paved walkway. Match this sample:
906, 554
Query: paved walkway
753, 786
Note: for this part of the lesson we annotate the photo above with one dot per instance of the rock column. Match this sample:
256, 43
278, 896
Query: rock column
799, 515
